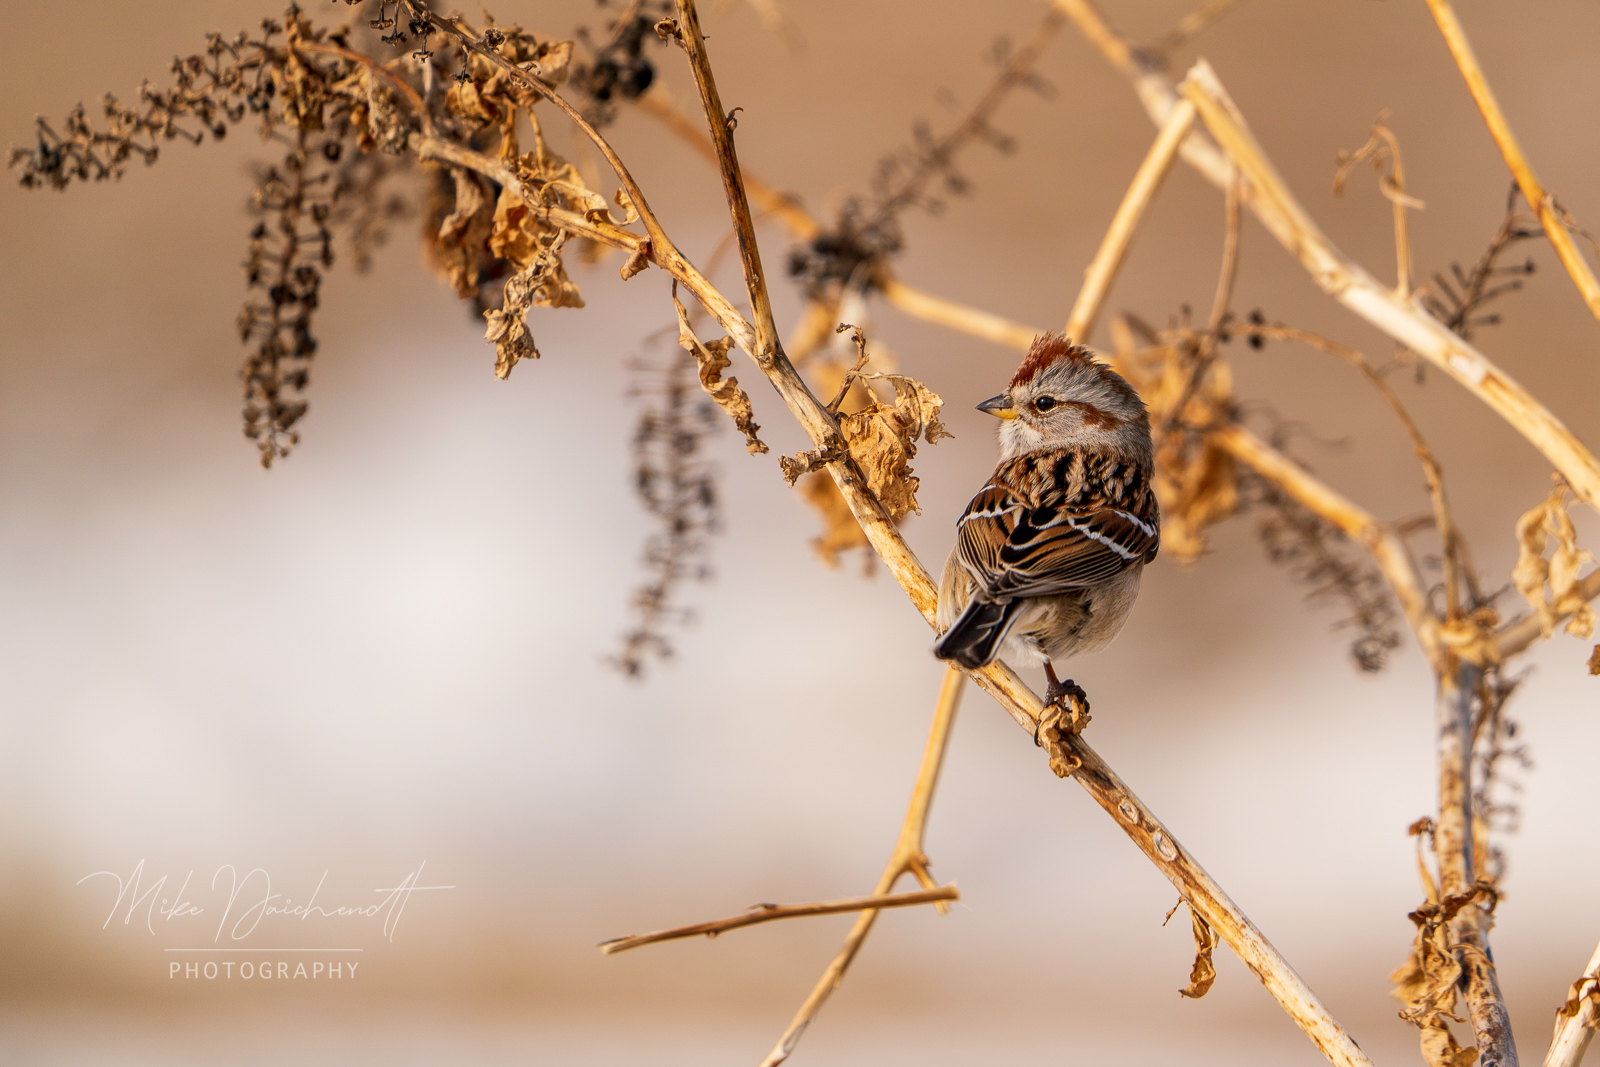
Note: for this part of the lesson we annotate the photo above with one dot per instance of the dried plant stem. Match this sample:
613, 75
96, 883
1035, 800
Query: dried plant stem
1554, 227
1025, 707
1575, 1031
768, 347
658, 103
907, 858
766, 913
1114, 246
973, 322
1402, 319
1144, 68
1275, 207
1453, 844
803, 227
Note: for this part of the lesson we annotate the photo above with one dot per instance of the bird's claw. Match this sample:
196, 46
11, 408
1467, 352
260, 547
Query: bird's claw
1066, 713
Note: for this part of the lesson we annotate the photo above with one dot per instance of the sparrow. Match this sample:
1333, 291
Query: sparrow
1049, 553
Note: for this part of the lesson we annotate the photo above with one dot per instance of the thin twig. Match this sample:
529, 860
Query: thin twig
768, 347
765, 913
658, 104
1206, 350
1383, 144
974, 322
935, 157
1403, 320
1114, 246
1191, 26
1554, 226
1449, 534
907, 858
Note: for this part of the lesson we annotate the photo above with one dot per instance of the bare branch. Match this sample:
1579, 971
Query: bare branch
1114, 246
765, 913
1555, 226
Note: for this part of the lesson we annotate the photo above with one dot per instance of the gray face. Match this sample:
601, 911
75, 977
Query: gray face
1075, 404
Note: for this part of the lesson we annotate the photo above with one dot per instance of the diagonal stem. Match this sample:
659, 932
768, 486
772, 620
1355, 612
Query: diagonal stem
1114, 246
1554, 226
907, 858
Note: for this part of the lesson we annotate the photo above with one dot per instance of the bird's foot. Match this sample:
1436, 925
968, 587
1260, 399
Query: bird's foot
1065, 714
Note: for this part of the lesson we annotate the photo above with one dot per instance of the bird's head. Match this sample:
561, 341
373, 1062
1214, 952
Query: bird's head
1062, 397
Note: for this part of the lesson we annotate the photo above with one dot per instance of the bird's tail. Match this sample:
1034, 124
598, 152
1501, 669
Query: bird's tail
975, 637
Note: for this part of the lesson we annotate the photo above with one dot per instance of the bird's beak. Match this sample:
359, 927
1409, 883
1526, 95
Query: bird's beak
999, 406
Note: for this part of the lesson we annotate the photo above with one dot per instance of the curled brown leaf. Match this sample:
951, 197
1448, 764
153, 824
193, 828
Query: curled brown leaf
713, 360
456, 250
507, 326
882, 439
1551, 586
1203, 973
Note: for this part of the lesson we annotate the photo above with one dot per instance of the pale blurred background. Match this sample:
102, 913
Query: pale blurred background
388, 650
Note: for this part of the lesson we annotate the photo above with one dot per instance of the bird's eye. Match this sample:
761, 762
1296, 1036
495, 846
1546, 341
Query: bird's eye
1045, 403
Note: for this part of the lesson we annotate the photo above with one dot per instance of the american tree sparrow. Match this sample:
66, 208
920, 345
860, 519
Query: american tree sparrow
1048, 554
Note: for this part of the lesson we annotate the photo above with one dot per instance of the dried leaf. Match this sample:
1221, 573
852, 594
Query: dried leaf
1594, 661
508, 325
458, 247
713, 360
637, 261
883, 438
630, 213
1584, 989
1203, 973
1427, 983
554, 59
1533, 573
520, 236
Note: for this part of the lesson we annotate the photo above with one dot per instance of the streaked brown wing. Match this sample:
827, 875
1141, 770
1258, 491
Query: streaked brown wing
1076, 534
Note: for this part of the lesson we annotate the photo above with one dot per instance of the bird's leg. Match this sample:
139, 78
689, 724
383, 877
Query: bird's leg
1066, 712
